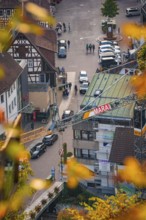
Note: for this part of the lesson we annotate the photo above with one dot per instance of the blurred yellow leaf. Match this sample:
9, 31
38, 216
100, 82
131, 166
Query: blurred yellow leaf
16, 201
10, 130
139, 84
3, 209
16, 151
2, 72
75, 172
1, 177
133, 172
39, 184
134, 30
40, 13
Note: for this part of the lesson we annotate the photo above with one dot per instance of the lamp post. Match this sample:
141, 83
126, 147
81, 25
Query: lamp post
61, 161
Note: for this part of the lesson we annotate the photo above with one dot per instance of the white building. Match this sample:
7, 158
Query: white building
10, 88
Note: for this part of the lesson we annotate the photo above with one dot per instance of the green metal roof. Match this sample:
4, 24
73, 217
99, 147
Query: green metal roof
114, 86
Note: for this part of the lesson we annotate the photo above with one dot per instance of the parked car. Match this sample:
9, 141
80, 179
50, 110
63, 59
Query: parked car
97, 92
132, 12
84, 87
116, 51
83, 76
50, 139
62, 43
108, 46
67, 115
104, 42
37, 150
62, 53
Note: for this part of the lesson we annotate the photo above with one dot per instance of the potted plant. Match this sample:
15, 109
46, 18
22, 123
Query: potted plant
44, 201
38, 208
32, 214
50, 195
56, 189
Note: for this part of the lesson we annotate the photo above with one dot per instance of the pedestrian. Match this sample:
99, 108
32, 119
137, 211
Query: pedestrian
70, 85
32, 125
93, 47
87, 47
90, 47
76, 89
118, 30
63, 70
68, 27
68, 43
64, 27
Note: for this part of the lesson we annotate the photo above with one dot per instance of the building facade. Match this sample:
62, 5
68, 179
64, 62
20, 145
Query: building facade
12, 88
93, 138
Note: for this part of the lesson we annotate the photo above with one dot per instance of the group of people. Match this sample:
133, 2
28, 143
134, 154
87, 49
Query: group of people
90, 48
62, 27
68, 87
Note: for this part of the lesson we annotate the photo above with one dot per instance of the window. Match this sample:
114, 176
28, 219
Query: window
8, 12
85, 154
12, 105
84, 135
2, 98
91, 136
30, 63
9, 108
42, 77
1, 13
92, 154
78, 153
15, 101
77, 134
9, 93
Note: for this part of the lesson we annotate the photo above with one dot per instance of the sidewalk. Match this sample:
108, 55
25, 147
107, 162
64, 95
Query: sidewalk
64, 104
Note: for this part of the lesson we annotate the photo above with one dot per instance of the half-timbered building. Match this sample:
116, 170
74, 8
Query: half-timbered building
7, 8
39, 51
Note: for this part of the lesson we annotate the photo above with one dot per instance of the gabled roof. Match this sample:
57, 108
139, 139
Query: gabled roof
123, 145
14, 3
45, 45
12, 70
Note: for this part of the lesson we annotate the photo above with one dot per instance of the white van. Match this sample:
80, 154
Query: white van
132, 12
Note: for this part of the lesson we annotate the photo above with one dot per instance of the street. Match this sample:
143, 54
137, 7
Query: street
85, 21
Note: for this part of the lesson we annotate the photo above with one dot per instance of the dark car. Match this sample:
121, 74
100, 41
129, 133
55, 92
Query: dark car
37, 150
62, 53
98, 92
50, 139
67, 115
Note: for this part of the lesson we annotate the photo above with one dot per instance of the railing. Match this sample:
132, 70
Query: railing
32, 135
38, 202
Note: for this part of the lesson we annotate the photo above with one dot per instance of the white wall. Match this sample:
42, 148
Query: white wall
10, 104
12, 101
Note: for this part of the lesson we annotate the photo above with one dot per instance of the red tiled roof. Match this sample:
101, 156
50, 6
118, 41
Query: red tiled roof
46, 45
123, 145
12, 71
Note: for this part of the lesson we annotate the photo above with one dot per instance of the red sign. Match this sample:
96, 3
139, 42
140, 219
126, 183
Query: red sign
102, 108
34, 116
